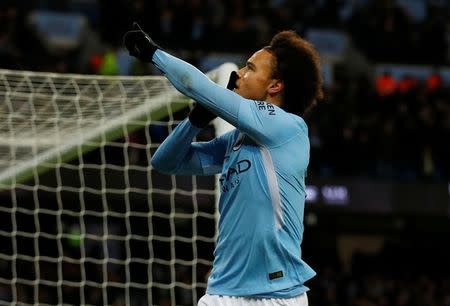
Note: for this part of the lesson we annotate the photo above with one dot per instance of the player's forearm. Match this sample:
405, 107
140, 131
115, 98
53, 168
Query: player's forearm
174, 155
196, 85
185, 77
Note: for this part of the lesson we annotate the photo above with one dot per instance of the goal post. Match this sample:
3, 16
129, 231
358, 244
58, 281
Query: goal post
84, 218
30, 127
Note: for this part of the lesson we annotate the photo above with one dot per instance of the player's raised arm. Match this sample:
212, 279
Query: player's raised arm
285, 74
185, 77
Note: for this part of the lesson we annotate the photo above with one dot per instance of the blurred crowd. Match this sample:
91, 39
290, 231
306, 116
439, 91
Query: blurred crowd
414, 31
383, 129
401, 132
332, 288
395, 275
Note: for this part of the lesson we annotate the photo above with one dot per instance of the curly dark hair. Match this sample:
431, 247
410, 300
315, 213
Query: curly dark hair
298, 65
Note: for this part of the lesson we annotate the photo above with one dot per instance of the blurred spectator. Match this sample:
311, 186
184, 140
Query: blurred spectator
434, 82
434, 35
407, 84
386, 85
383, 31
9, 51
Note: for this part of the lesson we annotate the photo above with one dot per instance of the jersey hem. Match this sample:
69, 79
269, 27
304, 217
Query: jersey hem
277, 294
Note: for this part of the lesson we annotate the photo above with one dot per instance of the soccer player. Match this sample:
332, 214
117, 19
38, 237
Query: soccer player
263, 164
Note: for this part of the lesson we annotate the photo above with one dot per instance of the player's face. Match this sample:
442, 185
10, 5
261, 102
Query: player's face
255, 78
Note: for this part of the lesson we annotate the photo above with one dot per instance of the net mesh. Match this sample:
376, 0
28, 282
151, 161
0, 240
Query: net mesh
84, 219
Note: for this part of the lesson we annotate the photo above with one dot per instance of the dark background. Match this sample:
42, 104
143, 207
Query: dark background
377, 214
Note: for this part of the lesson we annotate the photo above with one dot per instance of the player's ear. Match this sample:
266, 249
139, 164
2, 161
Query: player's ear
276, 86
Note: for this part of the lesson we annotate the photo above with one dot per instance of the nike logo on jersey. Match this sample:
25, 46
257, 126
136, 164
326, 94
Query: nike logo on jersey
239, 142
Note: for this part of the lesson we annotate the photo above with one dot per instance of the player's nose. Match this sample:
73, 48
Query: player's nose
240, 74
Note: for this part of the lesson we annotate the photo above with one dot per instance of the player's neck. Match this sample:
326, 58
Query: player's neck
276, 100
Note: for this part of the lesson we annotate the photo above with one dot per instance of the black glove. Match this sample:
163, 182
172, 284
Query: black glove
232, 80
139, 44
200, 116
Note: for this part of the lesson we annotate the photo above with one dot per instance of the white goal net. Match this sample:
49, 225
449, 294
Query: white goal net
84, 220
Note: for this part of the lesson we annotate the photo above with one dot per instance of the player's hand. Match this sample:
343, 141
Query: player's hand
200, 116
139, 44
232, 80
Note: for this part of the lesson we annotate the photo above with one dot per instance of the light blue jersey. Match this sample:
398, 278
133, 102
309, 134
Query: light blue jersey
262, 166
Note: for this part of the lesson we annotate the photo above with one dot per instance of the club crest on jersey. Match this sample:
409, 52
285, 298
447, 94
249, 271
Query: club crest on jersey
238, 142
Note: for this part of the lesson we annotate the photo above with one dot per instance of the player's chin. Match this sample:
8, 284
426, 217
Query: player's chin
244, 94
241, 93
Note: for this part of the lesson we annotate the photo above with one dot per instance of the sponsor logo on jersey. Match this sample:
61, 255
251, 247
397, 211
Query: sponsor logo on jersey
231, 178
